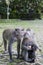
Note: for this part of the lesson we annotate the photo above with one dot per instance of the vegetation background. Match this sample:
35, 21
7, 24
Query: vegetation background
21, 9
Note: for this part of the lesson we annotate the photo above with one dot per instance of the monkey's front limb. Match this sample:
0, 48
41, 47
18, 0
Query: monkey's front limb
10, 50
26, 47
18, 48
39, 49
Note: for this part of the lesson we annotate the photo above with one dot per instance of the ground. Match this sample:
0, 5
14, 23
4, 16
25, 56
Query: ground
36, 25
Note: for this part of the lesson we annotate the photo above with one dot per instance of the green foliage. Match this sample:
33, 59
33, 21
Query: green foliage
26, 9
3, 9
22, 9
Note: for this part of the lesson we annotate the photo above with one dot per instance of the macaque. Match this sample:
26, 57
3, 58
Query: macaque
12, 35
29, 47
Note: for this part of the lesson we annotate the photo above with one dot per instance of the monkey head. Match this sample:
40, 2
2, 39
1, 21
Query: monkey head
19, 32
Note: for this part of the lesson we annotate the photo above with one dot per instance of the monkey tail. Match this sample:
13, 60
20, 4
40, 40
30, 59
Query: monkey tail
1, 44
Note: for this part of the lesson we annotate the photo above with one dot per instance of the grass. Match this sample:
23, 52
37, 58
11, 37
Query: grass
36, 25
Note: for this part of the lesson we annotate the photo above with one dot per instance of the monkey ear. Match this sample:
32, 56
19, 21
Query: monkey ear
22, 29
28, 29
15, 29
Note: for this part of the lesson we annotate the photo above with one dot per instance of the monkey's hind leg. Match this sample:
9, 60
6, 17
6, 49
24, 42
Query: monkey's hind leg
5, 45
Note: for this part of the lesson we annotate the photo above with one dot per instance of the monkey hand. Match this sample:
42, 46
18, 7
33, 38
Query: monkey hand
40, 50
29, 47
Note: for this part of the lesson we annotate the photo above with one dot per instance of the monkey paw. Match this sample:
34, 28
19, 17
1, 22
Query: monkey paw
11, 60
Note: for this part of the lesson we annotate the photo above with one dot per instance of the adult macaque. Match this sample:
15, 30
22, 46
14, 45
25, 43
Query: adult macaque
11, 36
28, 48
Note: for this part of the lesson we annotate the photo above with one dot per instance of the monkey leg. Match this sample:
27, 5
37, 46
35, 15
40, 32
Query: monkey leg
18, 48
31, 56
10, 50
26, 56
5, 44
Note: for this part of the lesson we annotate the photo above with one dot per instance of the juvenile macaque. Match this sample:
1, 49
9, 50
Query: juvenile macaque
11, 36
28, 48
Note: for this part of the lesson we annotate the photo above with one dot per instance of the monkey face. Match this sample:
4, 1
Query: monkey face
19, 32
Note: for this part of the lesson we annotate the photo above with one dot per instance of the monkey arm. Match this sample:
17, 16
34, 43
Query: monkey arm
39, 48
36, 47
25, 47
36, 44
